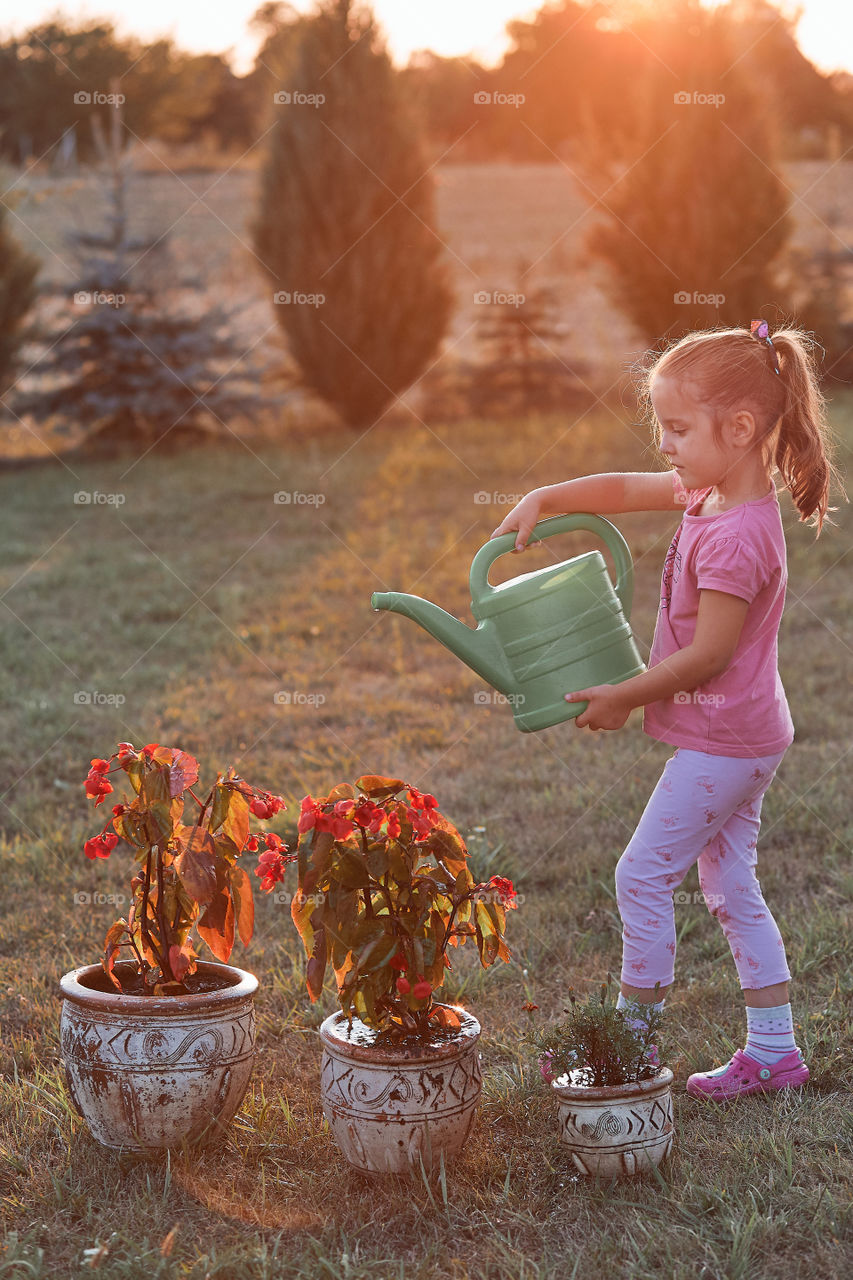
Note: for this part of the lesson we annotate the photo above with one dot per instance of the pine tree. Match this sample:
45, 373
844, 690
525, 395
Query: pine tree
345, 218
136, 367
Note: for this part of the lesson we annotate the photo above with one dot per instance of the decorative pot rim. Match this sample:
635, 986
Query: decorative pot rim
73, 989
441, 1045
612, 1092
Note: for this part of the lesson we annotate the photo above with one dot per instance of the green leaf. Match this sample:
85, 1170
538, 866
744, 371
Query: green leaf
112, 942
378, 859
183, 772
351, 870
378, 788
216, 925
244, 905
196, 863
317, 966
344, 791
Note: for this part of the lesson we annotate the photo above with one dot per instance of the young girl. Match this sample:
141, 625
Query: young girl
731, 407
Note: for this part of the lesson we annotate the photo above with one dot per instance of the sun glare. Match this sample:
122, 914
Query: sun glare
449, 27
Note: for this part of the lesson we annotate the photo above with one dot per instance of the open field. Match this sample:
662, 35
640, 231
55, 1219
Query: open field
503, 227
195, 600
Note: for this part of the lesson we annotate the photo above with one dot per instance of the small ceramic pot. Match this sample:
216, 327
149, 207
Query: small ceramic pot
391, 1106
616, 1129
150, 1072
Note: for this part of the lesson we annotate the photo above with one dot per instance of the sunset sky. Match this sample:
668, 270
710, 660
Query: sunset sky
447, 26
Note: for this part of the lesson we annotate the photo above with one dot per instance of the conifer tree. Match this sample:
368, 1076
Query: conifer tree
694, 230
345, 219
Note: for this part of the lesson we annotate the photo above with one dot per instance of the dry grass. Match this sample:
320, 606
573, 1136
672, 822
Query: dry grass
111, 603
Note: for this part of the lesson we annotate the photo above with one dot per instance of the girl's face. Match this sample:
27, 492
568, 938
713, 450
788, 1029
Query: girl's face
687, 435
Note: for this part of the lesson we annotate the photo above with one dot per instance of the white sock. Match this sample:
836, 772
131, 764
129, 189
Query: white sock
770, 1033
638, 1023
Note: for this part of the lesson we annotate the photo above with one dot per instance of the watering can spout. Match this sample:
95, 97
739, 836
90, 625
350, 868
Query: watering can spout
480, 649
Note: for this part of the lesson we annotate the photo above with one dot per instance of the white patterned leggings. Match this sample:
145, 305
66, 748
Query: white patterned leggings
704, 808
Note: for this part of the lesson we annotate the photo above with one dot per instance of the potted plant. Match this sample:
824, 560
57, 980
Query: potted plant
158, 1047
613, 1095
384, 891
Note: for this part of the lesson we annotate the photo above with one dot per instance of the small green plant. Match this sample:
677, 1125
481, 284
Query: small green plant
596, 1045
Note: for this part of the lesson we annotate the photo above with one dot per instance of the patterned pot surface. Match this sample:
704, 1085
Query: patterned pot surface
391, 1106
617, 1129
148, 1072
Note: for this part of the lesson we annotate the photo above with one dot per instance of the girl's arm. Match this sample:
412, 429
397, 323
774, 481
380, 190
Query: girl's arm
612, 492
719, 622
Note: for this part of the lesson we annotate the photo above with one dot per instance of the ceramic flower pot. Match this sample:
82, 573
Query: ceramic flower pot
149, 1072
616, 1129
391, 1106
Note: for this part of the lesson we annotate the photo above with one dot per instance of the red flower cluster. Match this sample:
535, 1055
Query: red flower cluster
505, 891
271, 867
266, 805
345, 815
101, 846
97, 785
421, 990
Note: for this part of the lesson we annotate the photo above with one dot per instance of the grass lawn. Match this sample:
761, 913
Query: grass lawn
176, 615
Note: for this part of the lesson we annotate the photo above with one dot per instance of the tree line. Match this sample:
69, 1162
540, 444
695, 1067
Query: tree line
573, 66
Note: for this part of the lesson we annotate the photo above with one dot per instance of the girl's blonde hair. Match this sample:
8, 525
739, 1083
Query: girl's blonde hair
731, 369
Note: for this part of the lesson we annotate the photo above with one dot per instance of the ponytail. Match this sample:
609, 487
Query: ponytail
803, 446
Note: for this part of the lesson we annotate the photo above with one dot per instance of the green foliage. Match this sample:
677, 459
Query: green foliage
595, 1045
346, 216
384, 889
55, 79
188, 876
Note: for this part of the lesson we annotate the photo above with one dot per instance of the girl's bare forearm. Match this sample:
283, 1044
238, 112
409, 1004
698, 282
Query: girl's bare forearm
592, 494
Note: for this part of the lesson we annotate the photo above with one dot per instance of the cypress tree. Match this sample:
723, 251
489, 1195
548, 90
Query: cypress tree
345, 219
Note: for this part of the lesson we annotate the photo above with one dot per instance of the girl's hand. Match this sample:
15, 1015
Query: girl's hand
523, 517
608, 706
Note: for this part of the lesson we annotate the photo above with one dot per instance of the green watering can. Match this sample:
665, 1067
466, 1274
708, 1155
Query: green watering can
544, 633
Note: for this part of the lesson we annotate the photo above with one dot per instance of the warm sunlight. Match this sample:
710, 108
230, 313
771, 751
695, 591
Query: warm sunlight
449, 27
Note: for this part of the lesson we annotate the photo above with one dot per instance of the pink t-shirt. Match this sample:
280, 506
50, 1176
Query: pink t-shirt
743, 711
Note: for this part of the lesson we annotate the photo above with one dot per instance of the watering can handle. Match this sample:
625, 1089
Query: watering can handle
609, 534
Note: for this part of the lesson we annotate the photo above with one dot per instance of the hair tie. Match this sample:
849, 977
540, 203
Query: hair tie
759, 329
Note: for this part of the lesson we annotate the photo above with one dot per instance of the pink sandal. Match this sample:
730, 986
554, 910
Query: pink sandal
743, 1075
